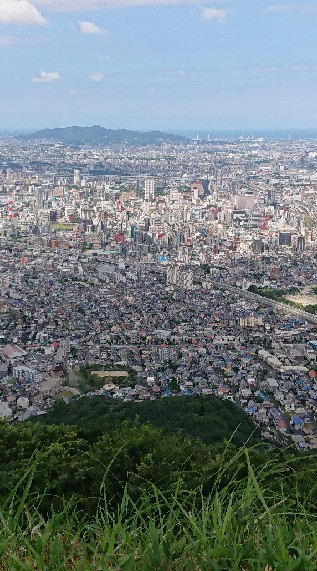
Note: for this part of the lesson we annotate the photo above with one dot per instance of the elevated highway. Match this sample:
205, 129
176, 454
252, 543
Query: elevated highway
283, 307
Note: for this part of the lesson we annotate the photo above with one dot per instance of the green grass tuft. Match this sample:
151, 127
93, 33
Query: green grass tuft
243, 524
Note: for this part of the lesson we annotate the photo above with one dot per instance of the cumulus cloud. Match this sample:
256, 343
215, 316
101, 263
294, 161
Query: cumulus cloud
181, 73
90, 28
277, 8
96, 77
210, 14
47, 77
78, 5
20, 12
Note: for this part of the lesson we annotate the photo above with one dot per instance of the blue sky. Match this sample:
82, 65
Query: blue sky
165, 64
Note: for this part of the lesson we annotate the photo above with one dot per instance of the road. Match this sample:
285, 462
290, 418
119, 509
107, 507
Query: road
287, 309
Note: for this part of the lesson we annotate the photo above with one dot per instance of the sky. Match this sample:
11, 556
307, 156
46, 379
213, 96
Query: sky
158, 64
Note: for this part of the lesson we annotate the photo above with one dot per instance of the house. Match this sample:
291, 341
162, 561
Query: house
298, 422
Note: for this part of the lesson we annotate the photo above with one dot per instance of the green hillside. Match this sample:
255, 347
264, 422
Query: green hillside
207, 418
101, 136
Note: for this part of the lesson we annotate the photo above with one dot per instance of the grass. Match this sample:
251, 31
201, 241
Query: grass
243, 526
66, 226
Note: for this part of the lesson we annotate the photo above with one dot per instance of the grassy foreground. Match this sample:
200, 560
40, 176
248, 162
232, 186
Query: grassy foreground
242, 526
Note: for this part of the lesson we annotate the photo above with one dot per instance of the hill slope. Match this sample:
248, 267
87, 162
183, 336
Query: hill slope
100, 135
207, 418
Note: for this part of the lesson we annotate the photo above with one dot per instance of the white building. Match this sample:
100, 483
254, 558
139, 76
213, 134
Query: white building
134, 337
166, 353
179, 277
77, 177
251, 321
26, 374
149, 190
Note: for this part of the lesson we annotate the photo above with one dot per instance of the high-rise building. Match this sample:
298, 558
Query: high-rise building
285, 239
272, 196
245, 202
77, 177
149, 190
300, 243
180, 277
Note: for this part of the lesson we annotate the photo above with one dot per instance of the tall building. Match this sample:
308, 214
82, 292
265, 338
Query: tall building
285, 239
272, 195
245, 202
77, 177
180, 277
300, 244
149, 190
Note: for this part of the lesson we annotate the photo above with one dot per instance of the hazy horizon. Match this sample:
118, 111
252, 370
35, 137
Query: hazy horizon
204, 134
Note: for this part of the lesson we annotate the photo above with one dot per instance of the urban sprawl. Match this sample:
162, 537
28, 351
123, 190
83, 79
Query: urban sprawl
161, 272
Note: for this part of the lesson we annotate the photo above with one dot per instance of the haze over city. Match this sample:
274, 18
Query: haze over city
167, 64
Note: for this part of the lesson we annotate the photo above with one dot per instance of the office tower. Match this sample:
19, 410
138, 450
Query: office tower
300, 243
245, 202
285, 239
77, 177
272, 196
149, 190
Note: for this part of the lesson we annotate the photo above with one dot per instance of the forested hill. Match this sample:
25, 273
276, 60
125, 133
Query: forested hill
74, 445
207, 418
97, 135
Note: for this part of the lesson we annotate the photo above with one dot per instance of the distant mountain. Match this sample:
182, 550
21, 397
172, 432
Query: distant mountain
100, 135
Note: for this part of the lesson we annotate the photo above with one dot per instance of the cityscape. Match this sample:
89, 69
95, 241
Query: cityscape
173, 269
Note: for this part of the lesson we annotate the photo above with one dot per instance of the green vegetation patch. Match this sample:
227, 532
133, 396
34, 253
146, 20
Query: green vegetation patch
278, 295
205, 417
64, 226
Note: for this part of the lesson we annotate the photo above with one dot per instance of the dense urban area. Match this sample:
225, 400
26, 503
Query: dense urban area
161, 271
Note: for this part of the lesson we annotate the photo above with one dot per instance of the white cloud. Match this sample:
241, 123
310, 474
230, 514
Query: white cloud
272, 69
299, 67
47, 77
210, 14
90, 28
105, 58
20, 12
7, 41
277, 8
78, 5
96, 77
181, 73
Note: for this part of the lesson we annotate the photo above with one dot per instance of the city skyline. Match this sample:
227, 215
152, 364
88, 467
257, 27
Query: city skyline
158, 64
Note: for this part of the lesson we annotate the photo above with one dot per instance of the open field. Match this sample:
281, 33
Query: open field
303, 299
103, 374
64, 226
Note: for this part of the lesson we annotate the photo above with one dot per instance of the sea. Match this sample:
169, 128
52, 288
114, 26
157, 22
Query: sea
248, 134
